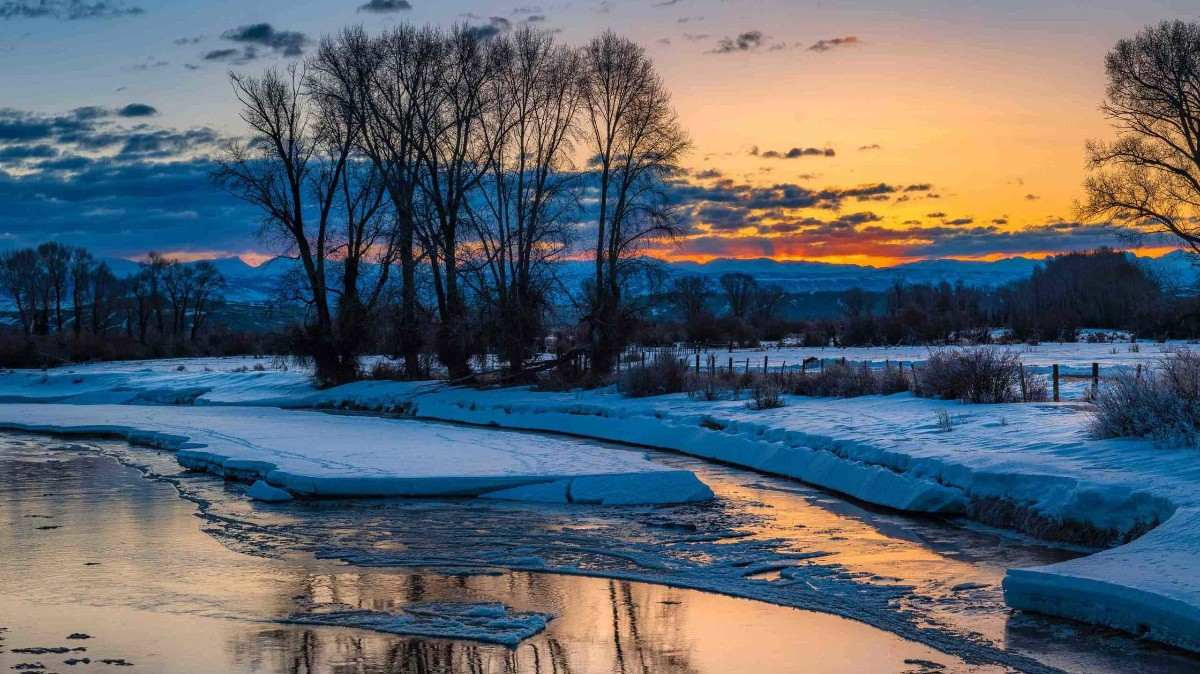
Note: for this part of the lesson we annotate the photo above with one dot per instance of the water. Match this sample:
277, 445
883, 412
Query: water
131, 564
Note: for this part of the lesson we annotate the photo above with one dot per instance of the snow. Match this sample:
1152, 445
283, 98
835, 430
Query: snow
1026, 466
486, 622
318, 454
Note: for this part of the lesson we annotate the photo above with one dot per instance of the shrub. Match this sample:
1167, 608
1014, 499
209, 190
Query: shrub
766, 394
984, 375
1162, 404
841, 380
387, 370
661, 376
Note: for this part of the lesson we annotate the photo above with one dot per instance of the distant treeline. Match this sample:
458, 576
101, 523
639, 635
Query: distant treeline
1098, 289
63, 305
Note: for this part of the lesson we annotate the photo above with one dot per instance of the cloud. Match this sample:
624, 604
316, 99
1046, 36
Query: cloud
832, 43
495, 26
137, 110
65, 10
285, 42
872, 146
747, 41
385, 6
1032, 197
794, 153
89, 133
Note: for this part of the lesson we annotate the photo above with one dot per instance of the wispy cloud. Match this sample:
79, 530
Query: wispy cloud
65, 10
833, 43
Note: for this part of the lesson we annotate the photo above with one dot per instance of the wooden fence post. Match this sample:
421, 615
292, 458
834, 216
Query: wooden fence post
1055, 376
731, 365
764, 364
1095, 379
697, 362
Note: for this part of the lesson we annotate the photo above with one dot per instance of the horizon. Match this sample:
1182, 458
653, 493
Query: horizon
855, 133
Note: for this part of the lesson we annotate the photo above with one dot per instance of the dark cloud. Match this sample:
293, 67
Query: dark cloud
748, 41
164, 206
832, 43
960, 221
285, 42
1032, 197
811, 238
495, 26
999, 221
95, 130
65, 10
794, 153
137, 110
385, 6
17, 153
872, 146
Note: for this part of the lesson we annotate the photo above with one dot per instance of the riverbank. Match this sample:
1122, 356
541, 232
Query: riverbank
1029, 467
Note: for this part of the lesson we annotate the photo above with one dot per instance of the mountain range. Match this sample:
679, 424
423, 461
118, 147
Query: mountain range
1176, 270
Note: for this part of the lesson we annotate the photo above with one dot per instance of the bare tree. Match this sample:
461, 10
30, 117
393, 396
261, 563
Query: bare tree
453, 156
1149, 177
740, 290
82, 268
293, 171
398, 72
636, 141
56, 264
527, 197
21, 278
207, 283
690, 294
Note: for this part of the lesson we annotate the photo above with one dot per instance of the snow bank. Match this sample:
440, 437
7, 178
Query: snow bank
489, 623
318, 454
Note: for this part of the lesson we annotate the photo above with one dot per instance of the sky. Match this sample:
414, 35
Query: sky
868, 132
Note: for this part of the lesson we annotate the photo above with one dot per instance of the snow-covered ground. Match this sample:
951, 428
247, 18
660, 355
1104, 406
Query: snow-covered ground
319, 454
1026, 466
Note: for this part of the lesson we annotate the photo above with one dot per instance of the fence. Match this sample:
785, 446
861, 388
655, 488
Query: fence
1066, 383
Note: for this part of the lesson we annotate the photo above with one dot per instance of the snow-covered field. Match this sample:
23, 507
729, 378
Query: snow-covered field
1026, 466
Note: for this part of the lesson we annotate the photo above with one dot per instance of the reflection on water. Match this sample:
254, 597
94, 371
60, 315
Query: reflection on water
90, 547
152, 587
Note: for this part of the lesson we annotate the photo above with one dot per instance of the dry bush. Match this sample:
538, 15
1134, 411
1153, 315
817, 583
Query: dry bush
842, 380
765, 394
658, 377
1162, 404
984, 375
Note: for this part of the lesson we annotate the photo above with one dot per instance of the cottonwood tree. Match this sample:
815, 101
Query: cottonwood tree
636, 142
22, 279
296, 169
453, 156
1149, 176
522, 223
395, 75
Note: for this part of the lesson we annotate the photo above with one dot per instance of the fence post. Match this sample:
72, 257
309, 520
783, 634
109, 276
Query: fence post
1055, 376
764, 364
1024, 391
1095, 379
731, 365
697, 362
747, 366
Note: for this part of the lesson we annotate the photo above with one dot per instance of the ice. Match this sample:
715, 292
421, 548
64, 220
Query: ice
261, 491
317, 454
489, 623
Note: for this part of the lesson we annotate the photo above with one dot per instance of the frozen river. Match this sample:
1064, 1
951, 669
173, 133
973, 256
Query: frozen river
213, 582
